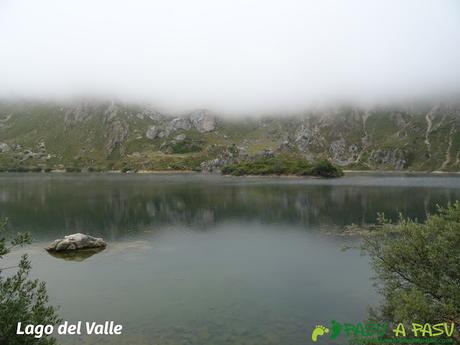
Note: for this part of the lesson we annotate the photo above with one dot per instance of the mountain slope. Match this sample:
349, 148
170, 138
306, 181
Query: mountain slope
116, 136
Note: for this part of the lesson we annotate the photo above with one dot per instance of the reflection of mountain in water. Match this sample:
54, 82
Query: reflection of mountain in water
113, 206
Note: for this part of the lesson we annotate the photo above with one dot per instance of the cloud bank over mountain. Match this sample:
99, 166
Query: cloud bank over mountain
236, 56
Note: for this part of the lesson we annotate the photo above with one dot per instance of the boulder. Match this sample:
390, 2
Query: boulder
4, 147
151, 133
76, 242
179, 123
180, 137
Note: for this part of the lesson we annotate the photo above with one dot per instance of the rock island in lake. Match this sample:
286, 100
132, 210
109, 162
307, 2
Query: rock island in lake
76, 242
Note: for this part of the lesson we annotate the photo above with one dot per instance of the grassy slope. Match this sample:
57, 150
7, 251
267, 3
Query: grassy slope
83, 144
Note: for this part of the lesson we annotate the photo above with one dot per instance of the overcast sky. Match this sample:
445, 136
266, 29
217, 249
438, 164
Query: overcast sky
235, 55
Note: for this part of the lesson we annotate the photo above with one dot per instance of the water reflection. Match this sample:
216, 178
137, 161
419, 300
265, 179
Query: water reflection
115, 206
195, 260
76, 255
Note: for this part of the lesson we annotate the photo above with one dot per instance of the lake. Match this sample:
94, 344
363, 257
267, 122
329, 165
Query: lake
204, 259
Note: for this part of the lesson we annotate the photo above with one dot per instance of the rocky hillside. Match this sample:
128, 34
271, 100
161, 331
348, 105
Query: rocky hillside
100, 136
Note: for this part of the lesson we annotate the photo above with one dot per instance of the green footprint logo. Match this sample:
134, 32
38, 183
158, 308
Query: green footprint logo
317, 331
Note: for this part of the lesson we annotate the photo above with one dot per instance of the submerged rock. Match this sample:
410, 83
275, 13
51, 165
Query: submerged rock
76, 255
76, 242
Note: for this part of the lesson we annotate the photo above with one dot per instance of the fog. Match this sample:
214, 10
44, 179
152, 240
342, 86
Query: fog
230, 55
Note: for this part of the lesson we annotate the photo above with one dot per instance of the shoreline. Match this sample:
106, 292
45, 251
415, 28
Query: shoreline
179, 172
426, 172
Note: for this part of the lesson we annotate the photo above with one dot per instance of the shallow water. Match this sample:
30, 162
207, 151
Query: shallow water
196, 259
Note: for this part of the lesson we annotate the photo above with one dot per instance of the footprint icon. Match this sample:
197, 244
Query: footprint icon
317, 331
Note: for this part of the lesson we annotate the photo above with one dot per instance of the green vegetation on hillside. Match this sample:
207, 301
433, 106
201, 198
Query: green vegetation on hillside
103, 136
282, 166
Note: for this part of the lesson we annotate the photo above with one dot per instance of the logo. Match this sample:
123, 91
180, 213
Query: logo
375, 332
317, 331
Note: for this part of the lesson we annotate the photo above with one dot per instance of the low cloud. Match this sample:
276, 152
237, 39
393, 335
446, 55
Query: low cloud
230, 55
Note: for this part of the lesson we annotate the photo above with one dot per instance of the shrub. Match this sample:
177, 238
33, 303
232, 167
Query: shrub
35, 169
185, 146
281, 166
418, 267
21, 299
73, 169
326, 169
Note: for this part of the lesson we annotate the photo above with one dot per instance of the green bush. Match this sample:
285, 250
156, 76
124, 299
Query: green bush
35, 169
126, 169
282, 166
21, 299
185, 146
73, 169
18, 168
418, 268
326, 169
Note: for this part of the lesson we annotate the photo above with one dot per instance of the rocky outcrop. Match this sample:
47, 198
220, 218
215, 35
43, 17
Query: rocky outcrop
307, 137
180, 137
394, 158
343, 154
225, 156
21, 154
203, 121
113, 135
117, 134
150, 114
179, 123
76, 242
4, 147
111, 112
77, 113
152, 133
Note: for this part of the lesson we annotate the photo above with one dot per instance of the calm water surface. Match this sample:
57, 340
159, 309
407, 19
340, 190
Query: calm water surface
196, 259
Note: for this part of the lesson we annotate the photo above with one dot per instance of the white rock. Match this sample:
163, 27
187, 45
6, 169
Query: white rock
4, 147
152, 133
179, 123
76, 241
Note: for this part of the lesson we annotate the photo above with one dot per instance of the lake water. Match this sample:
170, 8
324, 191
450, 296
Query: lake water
198, 260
